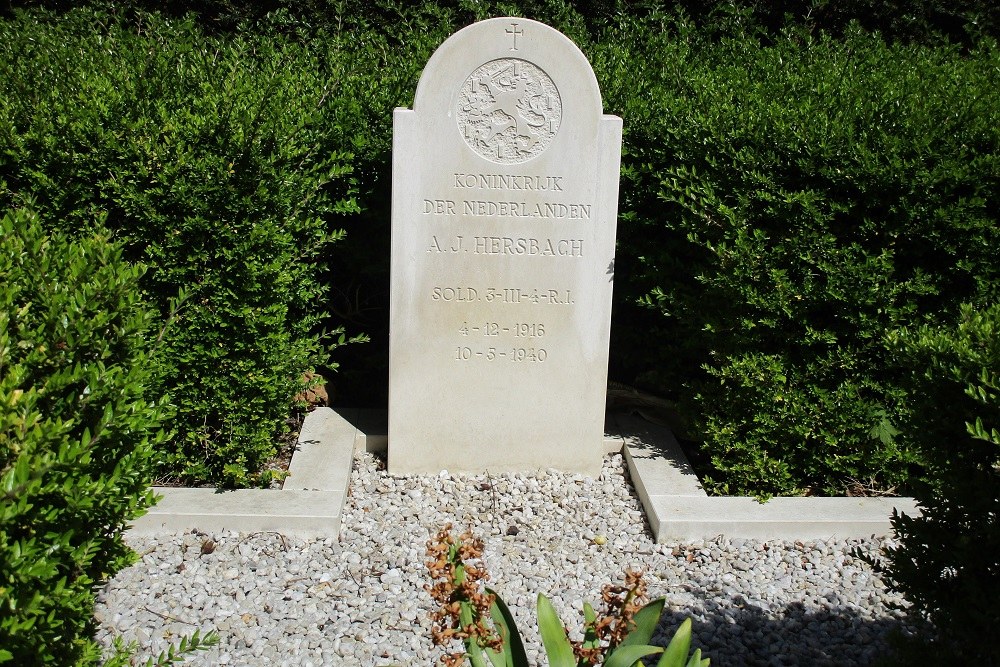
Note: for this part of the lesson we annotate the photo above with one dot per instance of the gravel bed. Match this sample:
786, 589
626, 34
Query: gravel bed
277, 600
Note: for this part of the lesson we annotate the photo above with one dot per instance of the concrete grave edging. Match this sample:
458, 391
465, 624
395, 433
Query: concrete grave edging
678, 509
310, 502
312, 499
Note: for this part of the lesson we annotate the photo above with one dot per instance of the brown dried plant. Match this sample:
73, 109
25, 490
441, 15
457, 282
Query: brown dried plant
470, 614
458, 589
615, 622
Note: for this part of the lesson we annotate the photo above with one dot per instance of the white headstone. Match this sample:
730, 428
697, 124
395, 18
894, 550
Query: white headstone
504, 207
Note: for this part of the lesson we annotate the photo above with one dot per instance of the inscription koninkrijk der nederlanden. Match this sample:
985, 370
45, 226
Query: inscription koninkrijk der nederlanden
494, 208
507, 208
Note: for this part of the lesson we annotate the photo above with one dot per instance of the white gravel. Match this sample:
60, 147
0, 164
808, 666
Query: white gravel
276, 600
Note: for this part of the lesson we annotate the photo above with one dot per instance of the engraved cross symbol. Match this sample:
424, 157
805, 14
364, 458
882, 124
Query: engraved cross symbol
514, 32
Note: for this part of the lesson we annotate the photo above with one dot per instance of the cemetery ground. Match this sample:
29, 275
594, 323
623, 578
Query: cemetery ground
286, 581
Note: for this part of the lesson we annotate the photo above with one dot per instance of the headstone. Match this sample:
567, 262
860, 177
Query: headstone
504, 206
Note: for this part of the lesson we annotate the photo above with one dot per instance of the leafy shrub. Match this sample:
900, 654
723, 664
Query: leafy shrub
925, 21
922, 21
78, 425
783, 207
948, 561
220, 163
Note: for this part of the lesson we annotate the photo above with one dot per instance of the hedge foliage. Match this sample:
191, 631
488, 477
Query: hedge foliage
919, 21
948, 562
786, 205
222, 163
793, 188
78, 427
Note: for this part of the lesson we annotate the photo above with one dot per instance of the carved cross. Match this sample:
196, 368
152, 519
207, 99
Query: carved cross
514, 31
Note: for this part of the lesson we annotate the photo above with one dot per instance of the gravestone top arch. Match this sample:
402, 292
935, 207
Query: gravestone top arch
526, 53
504, 206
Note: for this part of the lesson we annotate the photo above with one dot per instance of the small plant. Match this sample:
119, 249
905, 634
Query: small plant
477, 616
124, 654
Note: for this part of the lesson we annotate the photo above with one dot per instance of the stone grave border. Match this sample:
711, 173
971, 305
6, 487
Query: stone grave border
677, 508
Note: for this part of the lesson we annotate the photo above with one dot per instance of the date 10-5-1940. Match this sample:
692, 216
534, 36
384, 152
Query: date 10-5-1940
515, 354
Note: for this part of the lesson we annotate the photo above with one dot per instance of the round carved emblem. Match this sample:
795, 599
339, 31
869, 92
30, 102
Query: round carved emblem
509, 110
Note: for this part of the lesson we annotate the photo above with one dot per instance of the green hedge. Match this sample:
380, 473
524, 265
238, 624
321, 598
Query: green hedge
948, 561
923, 21
78, 425
786, 199
783, 207
222, 163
